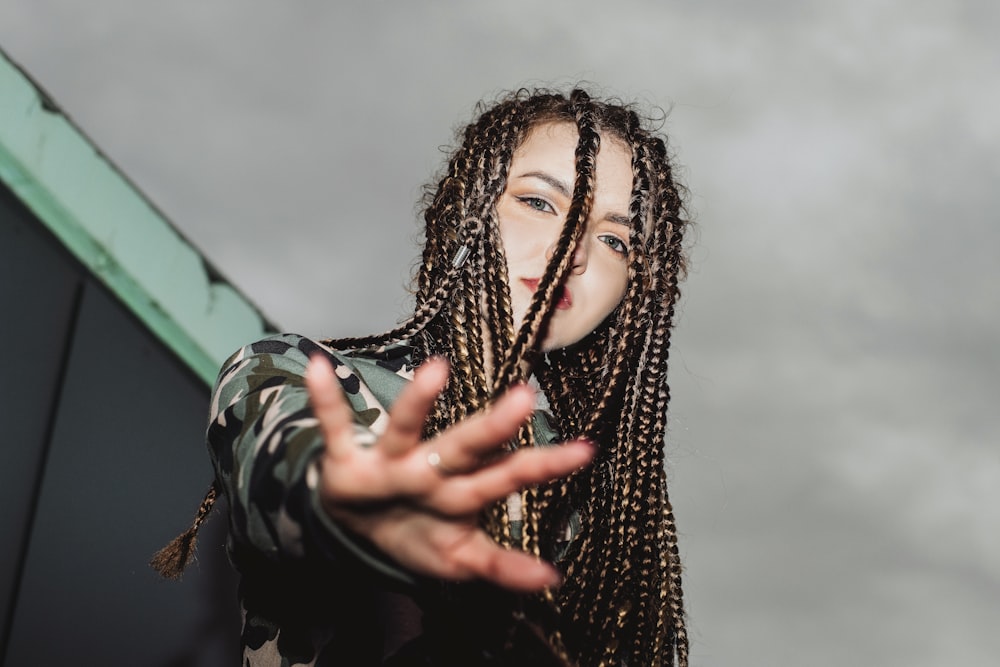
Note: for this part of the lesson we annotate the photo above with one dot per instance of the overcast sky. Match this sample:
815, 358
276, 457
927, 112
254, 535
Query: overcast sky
835, 440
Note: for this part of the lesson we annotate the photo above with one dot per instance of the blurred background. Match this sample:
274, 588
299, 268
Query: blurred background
834, 459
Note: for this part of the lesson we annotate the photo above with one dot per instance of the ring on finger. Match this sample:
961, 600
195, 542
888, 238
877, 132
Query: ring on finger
434, 461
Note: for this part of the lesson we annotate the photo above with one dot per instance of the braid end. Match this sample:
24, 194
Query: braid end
171, 560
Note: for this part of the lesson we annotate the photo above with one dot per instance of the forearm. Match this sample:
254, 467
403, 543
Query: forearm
265, 444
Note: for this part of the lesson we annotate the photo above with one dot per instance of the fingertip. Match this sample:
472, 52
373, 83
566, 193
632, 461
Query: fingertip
521, 392
587, 449
553, 578
316, 367
321, 380
438, 359
436, 369
545, 576
316, 360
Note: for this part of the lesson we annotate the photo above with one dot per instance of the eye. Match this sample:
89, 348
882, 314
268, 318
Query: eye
614, 243
536, 203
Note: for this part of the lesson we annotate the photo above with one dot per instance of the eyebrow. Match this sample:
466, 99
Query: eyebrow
551, 180
565, 191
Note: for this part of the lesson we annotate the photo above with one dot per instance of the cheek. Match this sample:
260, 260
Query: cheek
617, 297
616, 288
622, 287
519, 245
508, 240
615, 281
510, 234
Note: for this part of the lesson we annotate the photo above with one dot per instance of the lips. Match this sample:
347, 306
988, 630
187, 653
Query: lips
563, 295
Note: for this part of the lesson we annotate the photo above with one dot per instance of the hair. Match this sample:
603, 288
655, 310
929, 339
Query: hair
621, 601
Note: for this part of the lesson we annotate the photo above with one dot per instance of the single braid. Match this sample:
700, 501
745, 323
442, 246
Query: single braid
427, 311
636, 459
540, 307
171, 560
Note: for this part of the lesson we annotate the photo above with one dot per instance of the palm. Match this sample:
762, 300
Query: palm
425, 520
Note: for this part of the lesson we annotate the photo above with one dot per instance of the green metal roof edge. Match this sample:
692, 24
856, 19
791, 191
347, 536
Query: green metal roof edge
115, 231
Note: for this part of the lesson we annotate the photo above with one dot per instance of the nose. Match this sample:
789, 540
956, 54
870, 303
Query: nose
579, 261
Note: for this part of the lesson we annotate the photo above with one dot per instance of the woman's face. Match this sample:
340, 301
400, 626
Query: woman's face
531, 213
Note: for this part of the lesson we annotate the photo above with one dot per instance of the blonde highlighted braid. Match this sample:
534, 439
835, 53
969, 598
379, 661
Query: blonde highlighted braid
622, 601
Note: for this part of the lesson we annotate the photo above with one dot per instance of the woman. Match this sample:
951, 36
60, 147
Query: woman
425, 520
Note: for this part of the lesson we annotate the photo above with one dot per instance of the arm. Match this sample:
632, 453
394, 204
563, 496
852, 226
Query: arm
265, 441
385, 492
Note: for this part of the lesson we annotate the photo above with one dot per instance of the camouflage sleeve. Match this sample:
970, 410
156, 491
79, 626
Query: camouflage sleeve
264, 442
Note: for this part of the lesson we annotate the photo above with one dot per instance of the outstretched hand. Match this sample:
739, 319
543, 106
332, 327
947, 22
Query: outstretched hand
422, 514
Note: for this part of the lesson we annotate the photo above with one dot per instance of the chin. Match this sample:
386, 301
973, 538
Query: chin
554, 342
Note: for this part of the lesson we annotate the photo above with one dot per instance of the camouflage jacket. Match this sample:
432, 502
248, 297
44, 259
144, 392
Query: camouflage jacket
312, 593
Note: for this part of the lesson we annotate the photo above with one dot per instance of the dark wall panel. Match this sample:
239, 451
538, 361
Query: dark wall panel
126, 467
38, 289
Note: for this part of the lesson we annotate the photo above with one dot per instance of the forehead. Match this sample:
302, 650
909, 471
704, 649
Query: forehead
552, 137
561, 137
550, 148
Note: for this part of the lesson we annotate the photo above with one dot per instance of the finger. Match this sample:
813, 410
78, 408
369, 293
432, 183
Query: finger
468, 494
408, 414
335, 417
515, 570
463, 446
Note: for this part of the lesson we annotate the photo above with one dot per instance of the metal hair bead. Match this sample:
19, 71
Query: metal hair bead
461, 255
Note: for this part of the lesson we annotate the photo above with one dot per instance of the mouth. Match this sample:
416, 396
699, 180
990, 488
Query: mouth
564, 299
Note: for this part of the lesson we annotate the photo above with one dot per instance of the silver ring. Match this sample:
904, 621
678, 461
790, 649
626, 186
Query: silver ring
434, 461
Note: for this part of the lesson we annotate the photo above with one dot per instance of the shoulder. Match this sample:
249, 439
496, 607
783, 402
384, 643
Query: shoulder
294, 350
287, 349
280, 360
